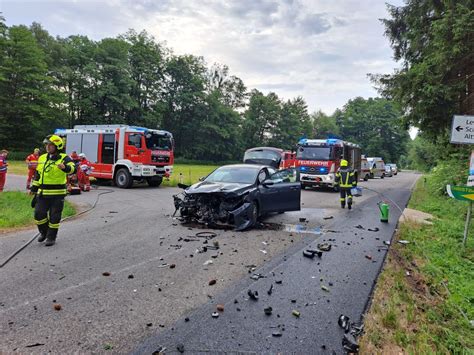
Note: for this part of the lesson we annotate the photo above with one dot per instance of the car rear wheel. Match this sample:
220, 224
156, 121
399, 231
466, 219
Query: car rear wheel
123, 179
366, 177
383, 175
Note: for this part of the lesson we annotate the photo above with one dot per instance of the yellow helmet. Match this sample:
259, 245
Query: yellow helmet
344, 163
56, 140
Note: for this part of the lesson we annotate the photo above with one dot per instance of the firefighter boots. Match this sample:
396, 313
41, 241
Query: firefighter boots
51, 237
43, 229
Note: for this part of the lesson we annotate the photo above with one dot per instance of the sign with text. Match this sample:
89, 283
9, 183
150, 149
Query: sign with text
463, 193
462, 130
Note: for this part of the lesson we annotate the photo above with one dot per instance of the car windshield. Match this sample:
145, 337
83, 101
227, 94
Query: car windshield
314, 153
240, 175
262, 154
158, 142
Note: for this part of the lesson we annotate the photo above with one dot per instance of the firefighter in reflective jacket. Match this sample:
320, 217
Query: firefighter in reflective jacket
346, 179
49, 187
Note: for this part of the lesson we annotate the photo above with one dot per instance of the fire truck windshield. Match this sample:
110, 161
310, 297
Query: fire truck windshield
314, 153
158, 142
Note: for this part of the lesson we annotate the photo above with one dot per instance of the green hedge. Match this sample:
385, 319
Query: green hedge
203, 162
454, 171
16, 155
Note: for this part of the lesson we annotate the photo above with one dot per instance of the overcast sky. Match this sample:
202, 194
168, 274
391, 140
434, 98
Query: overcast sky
319, 49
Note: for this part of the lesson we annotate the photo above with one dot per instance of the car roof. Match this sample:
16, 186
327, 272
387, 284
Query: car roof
252, 166
278, 150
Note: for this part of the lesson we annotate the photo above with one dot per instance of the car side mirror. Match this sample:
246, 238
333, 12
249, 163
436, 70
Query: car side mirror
268, 182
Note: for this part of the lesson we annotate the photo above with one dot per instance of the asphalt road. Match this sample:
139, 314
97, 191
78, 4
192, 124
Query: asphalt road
142, 305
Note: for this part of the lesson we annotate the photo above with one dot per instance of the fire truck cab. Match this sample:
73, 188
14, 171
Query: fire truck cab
319, 159
123, 153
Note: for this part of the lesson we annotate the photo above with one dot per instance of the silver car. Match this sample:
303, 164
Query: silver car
394, 168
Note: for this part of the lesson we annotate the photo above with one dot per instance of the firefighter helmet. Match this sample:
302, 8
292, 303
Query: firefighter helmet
82, 156
56, 140
344, 163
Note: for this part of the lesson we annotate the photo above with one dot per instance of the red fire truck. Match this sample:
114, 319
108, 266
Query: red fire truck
123, 153
319, 159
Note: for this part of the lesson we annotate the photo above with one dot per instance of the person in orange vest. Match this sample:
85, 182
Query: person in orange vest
32, 163
3, 168
83, 173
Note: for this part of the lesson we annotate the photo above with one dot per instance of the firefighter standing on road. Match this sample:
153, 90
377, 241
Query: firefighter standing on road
32, 162
3, 168
346, 179
49, 187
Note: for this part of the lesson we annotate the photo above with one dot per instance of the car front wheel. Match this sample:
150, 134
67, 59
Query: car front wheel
253, 215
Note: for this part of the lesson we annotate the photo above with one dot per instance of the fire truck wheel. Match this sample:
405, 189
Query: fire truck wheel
154, 181
123, 179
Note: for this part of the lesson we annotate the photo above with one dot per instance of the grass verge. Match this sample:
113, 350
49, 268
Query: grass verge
16, 211
17, 167
424, 299
188, 174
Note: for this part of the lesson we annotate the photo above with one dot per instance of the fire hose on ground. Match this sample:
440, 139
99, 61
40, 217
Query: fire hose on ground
15, 253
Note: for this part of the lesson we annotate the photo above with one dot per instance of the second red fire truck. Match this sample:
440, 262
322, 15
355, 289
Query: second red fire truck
123, 153
319, 159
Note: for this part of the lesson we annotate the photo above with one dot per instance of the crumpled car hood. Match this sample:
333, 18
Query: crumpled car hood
211, 187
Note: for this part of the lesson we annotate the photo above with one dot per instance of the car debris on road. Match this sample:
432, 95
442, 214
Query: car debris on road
351, 330
253, 295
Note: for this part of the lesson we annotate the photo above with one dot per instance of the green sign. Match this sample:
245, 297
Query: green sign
463, 193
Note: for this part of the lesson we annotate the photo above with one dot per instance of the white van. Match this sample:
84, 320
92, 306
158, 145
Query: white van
364, 169
377, 167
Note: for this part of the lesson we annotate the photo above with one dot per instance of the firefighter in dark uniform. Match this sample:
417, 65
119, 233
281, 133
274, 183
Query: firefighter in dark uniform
49, 187
346, 179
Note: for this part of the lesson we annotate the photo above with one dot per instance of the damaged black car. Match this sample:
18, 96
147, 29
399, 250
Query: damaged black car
237, 195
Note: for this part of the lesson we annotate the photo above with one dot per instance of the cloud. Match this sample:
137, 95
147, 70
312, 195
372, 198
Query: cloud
321, 50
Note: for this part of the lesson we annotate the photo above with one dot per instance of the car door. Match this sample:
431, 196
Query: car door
281, 191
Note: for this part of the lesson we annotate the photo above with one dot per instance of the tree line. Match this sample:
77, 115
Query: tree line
48, 82
434, 44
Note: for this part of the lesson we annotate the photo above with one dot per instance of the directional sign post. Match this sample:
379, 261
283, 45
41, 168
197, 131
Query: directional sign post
462, 130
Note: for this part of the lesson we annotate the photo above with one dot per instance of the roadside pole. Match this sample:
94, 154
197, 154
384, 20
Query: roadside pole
468, 222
